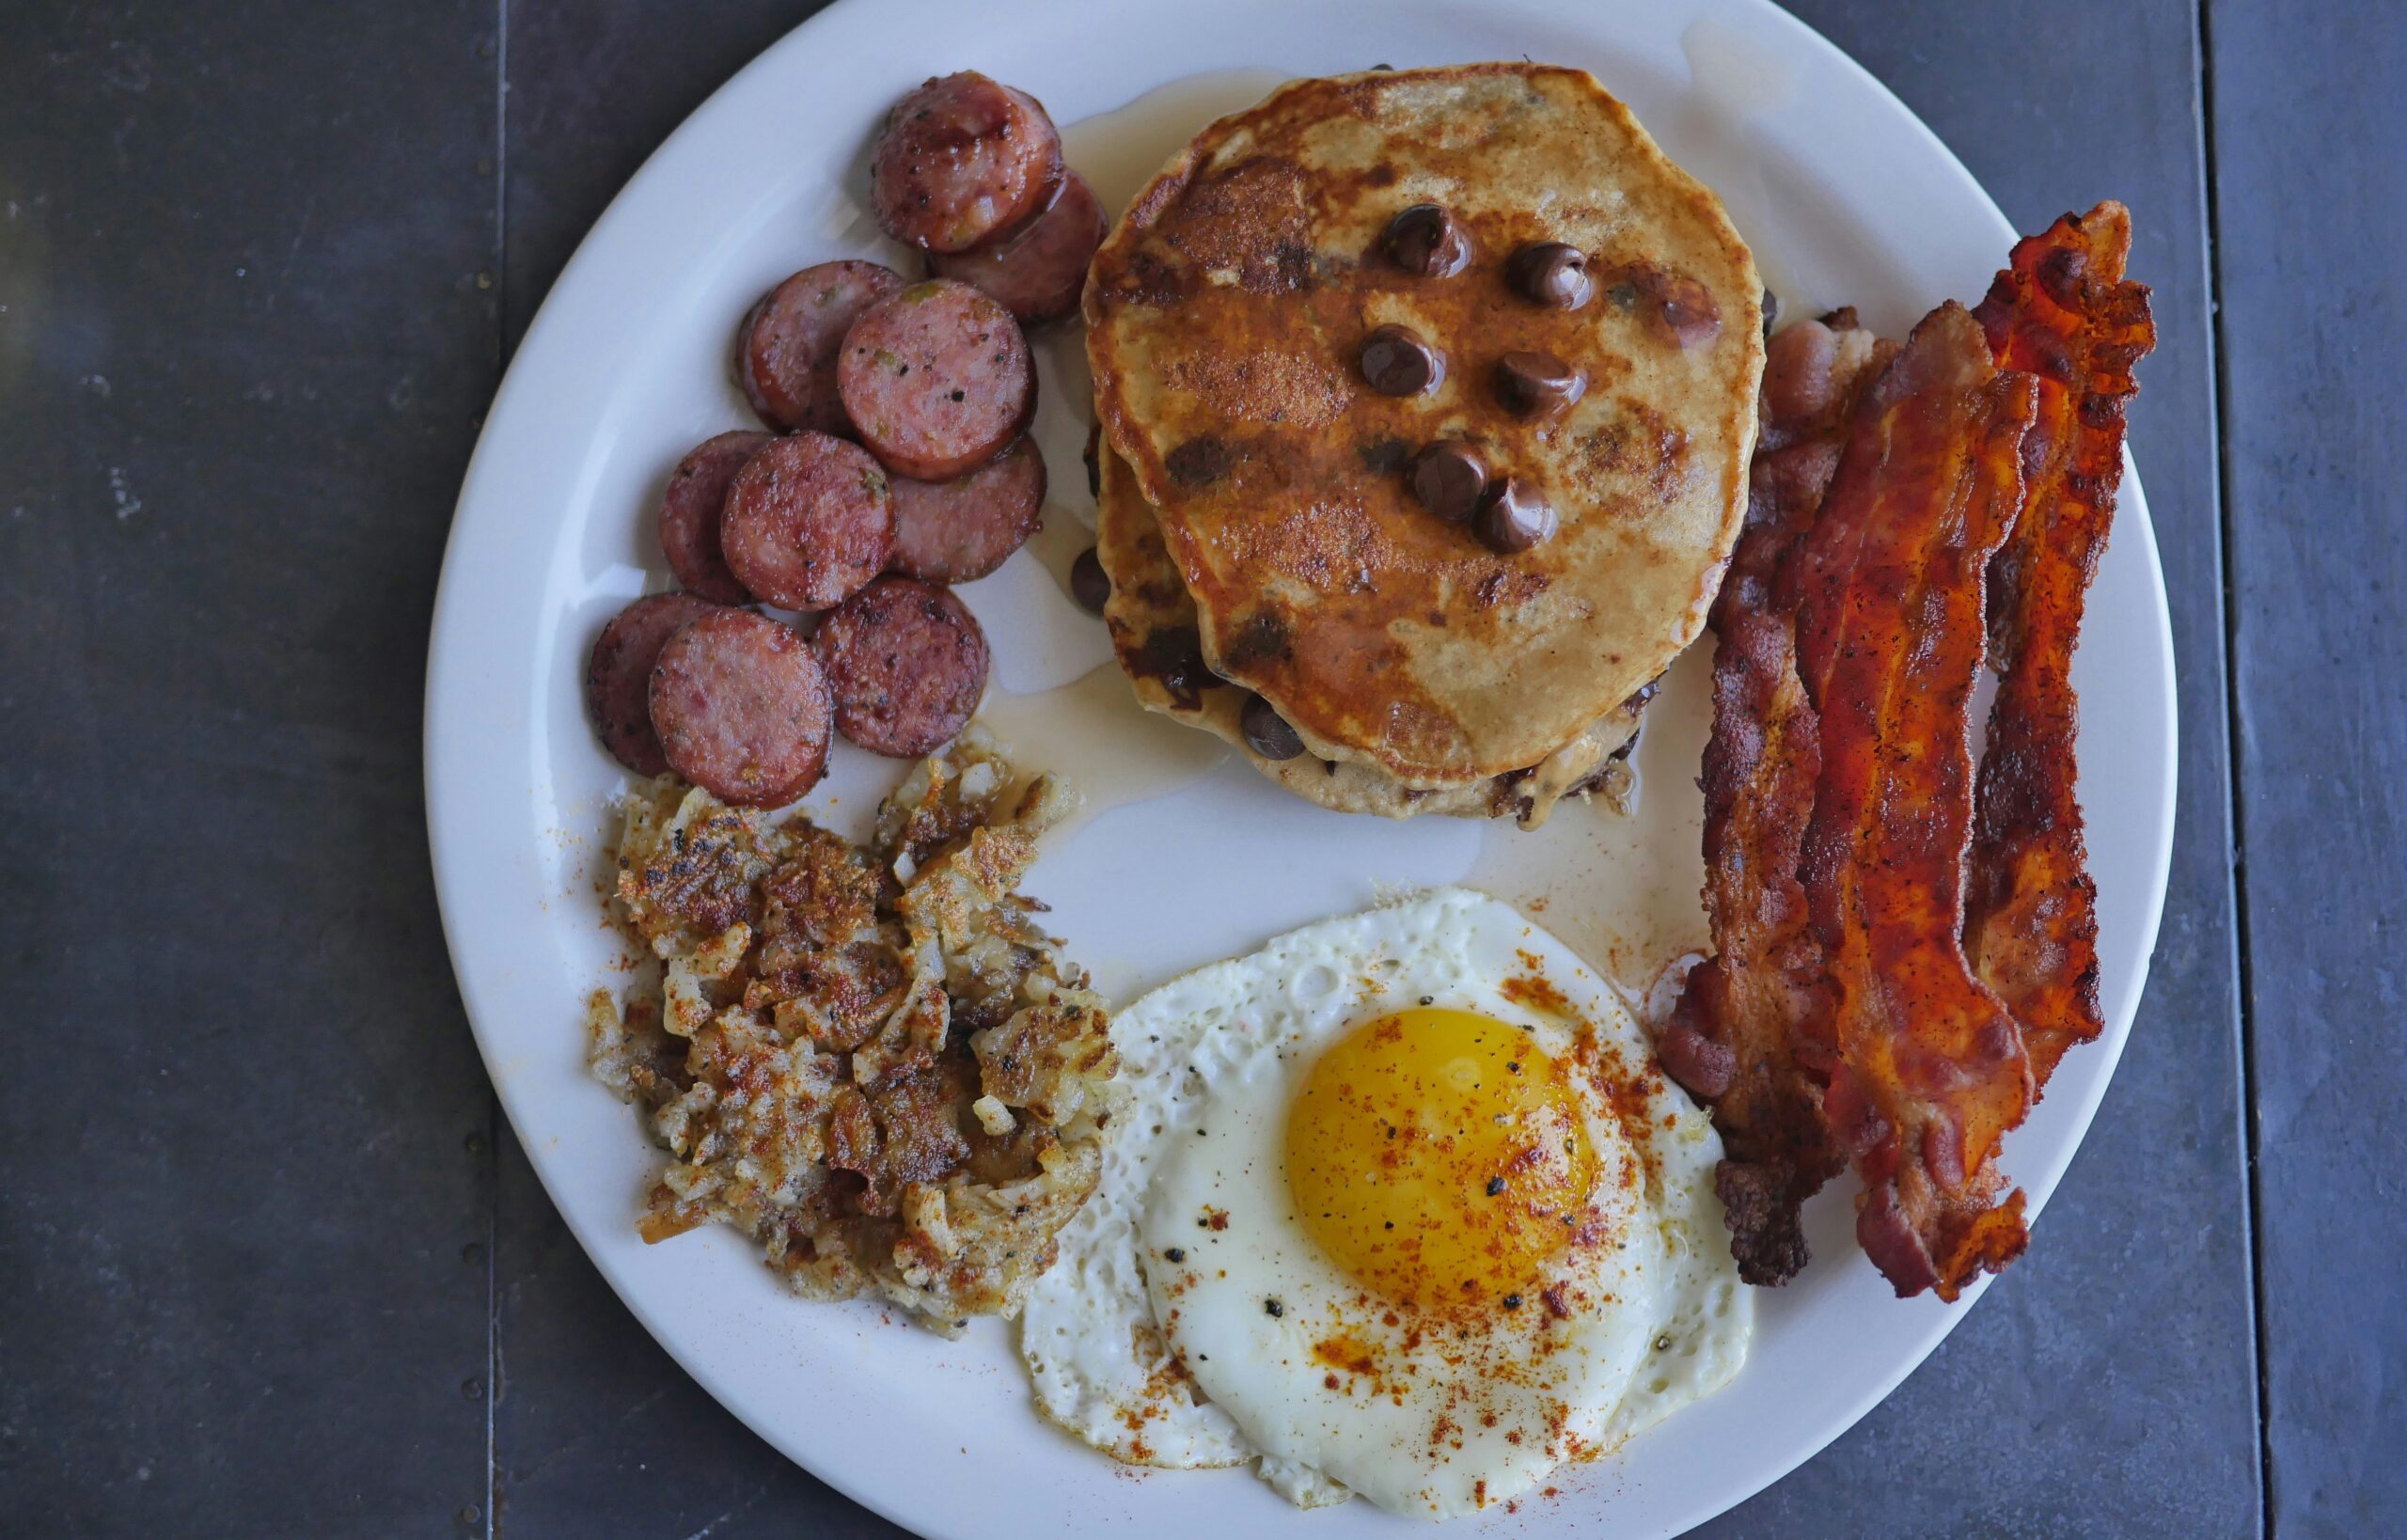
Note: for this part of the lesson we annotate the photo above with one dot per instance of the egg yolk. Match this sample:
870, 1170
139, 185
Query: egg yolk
1439, 1156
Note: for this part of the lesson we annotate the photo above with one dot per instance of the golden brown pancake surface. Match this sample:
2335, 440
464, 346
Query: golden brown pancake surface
1226, 316
1152, 628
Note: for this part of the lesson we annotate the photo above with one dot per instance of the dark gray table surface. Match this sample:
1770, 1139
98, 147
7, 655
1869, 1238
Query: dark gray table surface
274, 1266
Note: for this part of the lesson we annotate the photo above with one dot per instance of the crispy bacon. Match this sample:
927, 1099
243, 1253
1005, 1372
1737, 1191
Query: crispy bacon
1931, 1071
2061, 311
1751, 1029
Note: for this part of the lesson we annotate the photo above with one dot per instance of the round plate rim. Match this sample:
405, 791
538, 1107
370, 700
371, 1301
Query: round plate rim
453, 676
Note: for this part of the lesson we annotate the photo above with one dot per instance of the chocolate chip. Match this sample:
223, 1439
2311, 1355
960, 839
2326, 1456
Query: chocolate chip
1175, 658
1090, 585
1514, 517
1551, 274
1397, 362
1199, 461
1447, 479
1674, 307
1537, 384
1427, 240
1261, 637
1267, 732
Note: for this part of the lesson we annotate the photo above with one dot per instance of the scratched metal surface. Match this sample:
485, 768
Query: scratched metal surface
274, 1266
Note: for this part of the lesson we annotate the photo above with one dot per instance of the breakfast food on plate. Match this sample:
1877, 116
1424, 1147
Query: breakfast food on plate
1885, 988
1038, 270
906, 663
1744, 1031
787, 348
872, 1062
809, 520
1437, 418
936, 379
741, 708
958, 531
690, 512
1446, 459
1889, 641
2061, 309
962, 160
1156, 634
618, 676
1398, 1206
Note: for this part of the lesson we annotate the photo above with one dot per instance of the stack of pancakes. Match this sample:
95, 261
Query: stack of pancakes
1256, 515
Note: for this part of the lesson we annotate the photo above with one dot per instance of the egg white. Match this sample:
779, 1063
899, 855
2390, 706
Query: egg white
1223, 1050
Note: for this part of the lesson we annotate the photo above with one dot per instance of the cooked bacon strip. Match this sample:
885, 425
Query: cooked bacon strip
1752, 1030
1891, 630
2061, 311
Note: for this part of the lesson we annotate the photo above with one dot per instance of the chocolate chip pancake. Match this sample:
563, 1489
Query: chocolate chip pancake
1494, 259
1153, 627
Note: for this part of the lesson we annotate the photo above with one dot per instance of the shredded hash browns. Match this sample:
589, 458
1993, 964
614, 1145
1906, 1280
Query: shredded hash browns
872, 1062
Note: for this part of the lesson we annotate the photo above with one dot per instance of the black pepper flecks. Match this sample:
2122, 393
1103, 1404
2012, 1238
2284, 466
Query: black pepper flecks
1176, 1253
1273, 1306
1511, 1301
1495, 1186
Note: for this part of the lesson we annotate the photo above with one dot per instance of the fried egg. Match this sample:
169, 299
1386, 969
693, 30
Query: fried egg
1397, 1205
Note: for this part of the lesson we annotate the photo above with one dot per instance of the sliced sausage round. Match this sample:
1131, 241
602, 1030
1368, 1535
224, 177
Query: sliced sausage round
741, 708
906, 664
962, 158
618, 677
1039, 270
809, 520
689, 515
785, 352
936, 379
958, 531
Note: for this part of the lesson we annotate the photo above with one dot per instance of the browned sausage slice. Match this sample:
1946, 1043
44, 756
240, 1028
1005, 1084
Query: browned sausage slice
936, 379
785, 353
689, 515
959, 530
809, 520
906, 664
963, 157
741, 708
617, 678
1039, 270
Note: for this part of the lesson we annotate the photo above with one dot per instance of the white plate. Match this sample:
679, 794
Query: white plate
1845, 198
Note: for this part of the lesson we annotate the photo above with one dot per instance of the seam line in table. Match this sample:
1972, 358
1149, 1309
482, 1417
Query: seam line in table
2234, 741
